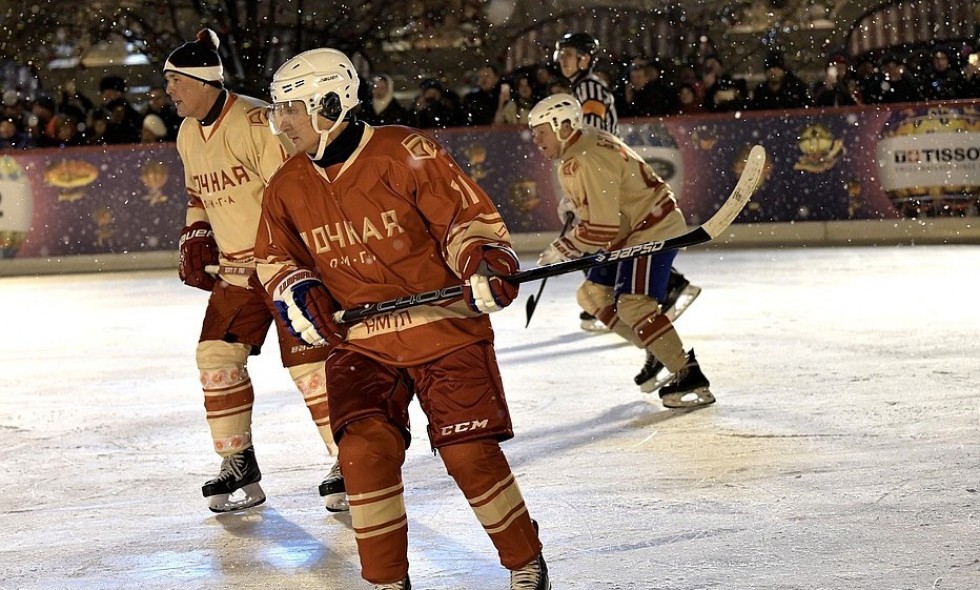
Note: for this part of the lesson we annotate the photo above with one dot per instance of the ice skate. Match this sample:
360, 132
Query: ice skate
334, 493
680, 294
405, 584
689, 389
533, 576
239, 473
590, 323
653, 375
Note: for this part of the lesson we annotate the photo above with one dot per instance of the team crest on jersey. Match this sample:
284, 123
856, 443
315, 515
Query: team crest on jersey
257, 117
570, 167
421, 148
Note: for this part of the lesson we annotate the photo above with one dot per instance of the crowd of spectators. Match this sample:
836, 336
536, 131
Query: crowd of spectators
652, 88
69, 118
642, 87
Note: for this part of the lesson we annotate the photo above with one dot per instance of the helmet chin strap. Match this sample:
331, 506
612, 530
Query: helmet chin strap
563, 143
325, 135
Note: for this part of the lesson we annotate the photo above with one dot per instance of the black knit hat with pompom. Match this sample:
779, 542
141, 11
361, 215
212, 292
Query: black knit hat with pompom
198, 59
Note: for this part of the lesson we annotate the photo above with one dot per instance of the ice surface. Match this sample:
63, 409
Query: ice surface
843, 452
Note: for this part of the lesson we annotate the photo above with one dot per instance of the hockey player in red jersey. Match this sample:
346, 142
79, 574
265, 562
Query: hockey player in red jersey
363, 214
618, 201
229, 156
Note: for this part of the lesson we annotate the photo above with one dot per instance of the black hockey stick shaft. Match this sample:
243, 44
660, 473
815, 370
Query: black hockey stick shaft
748, 182
532, 301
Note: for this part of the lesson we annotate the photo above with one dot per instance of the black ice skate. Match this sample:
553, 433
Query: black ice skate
689, 389
405, 584
238, 472
334, 493
680, 294
533, 576
653, 375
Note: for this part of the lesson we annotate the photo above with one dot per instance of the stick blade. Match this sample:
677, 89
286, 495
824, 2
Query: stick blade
748, 182
531, 304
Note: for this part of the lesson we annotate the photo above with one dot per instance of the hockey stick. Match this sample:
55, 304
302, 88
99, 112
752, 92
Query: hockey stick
748, 182
532, 301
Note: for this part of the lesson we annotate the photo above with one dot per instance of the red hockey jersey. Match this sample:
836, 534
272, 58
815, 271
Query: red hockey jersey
396, 218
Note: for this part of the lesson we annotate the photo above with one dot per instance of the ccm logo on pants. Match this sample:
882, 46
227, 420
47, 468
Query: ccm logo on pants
464, 427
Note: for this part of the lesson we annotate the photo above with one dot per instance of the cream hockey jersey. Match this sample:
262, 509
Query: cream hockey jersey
396, 218
226, 168
619, 199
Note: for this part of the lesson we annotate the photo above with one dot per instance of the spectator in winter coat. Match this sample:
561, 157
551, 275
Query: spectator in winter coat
782, 89
942, 81
897, 84
838, 88
383, 108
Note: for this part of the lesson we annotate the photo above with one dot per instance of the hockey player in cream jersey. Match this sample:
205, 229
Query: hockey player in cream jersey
229, 157
575, 54
618, 201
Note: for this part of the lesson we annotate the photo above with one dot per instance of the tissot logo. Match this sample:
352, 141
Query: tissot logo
933, 155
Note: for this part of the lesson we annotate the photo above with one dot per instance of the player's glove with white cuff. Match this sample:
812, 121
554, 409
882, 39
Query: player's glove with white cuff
559, 251
197, 250
565, 207
485, 291
307, 309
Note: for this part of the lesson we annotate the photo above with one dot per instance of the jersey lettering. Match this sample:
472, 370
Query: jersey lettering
388, 322
219, 180
219, 202
342, 234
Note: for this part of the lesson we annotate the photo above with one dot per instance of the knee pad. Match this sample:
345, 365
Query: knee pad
592, 297
221, 364
310, 379
634, 308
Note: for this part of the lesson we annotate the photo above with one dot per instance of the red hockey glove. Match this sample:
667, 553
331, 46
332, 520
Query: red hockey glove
197, 250
485, 291
307, 309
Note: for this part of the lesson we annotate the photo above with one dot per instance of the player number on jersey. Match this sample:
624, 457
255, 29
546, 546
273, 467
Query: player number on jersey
466, 193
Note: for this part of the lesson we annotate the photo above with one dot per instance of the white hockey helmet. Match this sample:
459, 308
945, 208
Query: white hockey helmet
324, 80
554, 110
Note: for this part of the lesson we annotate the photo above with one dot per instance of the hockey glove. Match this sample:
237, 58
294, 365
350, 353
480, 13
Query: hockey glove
559, 251
485, 291
197, 250
566, 208
307, 309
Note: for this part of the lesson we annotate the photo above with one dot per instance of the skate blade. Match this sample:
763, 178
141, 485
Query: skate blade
336, 502
688, 399
686, 298
246, 497
656, 382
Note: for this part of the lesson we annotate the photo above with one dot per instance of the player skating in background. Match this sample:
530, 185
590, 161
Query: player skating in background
229, 156
363, 214
575, 54
618, 201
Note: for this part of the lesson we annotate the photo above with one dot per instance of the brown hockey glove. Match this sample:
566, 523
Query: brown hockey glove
197, 250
